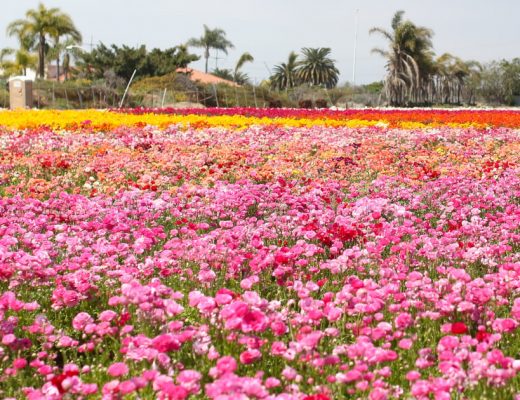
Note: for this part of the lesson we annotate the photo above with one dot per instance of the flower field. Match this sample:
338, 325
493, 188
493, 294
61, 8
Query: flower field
260, 254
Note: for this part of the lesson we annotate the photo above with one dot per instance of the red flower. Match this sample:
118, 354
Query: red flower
58, 379
459, 328
481, 336
123, 318
319, 396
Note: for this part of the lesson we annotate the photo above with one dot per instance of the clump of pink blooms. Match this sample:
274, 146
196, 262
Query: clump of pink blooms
269, 285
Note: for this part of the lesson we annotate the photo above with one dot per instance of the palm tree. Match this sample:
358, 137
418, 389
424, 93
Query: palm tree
408, 56
317, 68
224, 73
211, 39
38, 25
64, 27
238, 76
473, 80
23, 60
235, 75
284, 76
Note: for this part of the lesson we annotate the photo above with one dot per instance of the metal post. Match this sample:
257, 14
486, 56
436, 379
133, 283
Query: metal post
254, 94
126, 90
80, 98
216, 95
66, 97
163, 97
93, 97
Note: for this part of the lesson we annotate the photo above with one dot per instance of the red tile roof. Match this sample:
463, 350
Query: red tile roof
202, 77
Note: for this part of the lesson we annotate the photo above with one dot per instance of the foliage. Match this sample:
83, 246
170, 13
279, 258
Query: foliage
408, 59
22, 61
235, 75
285, 75
39, 25
316, 68
416, 76
211, 39
124, 60
224, 73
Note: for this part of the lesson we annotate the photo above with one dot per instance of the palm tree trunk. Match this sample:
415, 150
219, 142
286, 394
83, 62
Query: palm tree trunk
58, 68
41, 56
57, 60
206, 56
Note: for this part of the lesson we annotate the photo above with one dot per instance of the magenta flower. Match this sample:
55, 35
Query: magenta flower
117, 369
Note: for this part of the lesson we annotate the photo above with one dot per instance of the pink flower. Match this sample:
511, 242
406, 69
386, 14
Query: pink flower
289, 373
403, 320
117, 369
173, 391
272, 382
107, 316
8, 339
81, 320
515, 311
226, 364
413, 375
189, 379
127, 387
504, 325
20, 363
250, 356
166, 343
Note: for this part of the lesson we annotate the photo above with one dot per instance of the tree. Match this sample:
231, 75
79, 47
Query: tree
510, 79
408, 57
238, 76
211, 39
316, 68
162, 62
63, 26
224, 73
124, 60
23, 60
284, 76
40, 24
235, 75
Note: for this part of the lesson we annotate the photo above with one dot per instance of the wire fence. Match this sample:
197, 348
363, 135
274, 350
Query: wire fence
69, 95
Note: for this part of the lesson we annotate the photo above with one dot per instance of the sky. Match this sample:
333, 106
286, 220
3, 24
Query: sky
481, 30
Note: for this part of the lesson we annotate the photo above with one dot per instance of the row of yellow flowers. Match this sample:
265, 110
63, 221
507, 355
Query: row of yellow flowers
98, 120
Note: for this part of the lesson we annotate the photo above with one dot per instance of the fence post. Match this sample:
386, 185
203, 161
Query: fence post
93, 97
38, 91
80, 98
126, 90
163, 97
66, 97
226, 104
254, 95
216, 94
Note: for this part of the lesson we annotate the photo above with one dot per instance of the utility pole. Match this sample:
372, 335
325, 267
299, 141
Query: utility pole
217, 58
355, 49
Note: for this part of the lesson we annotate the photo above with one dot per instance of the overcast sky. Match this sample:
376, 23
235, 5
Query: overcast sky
481, 30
